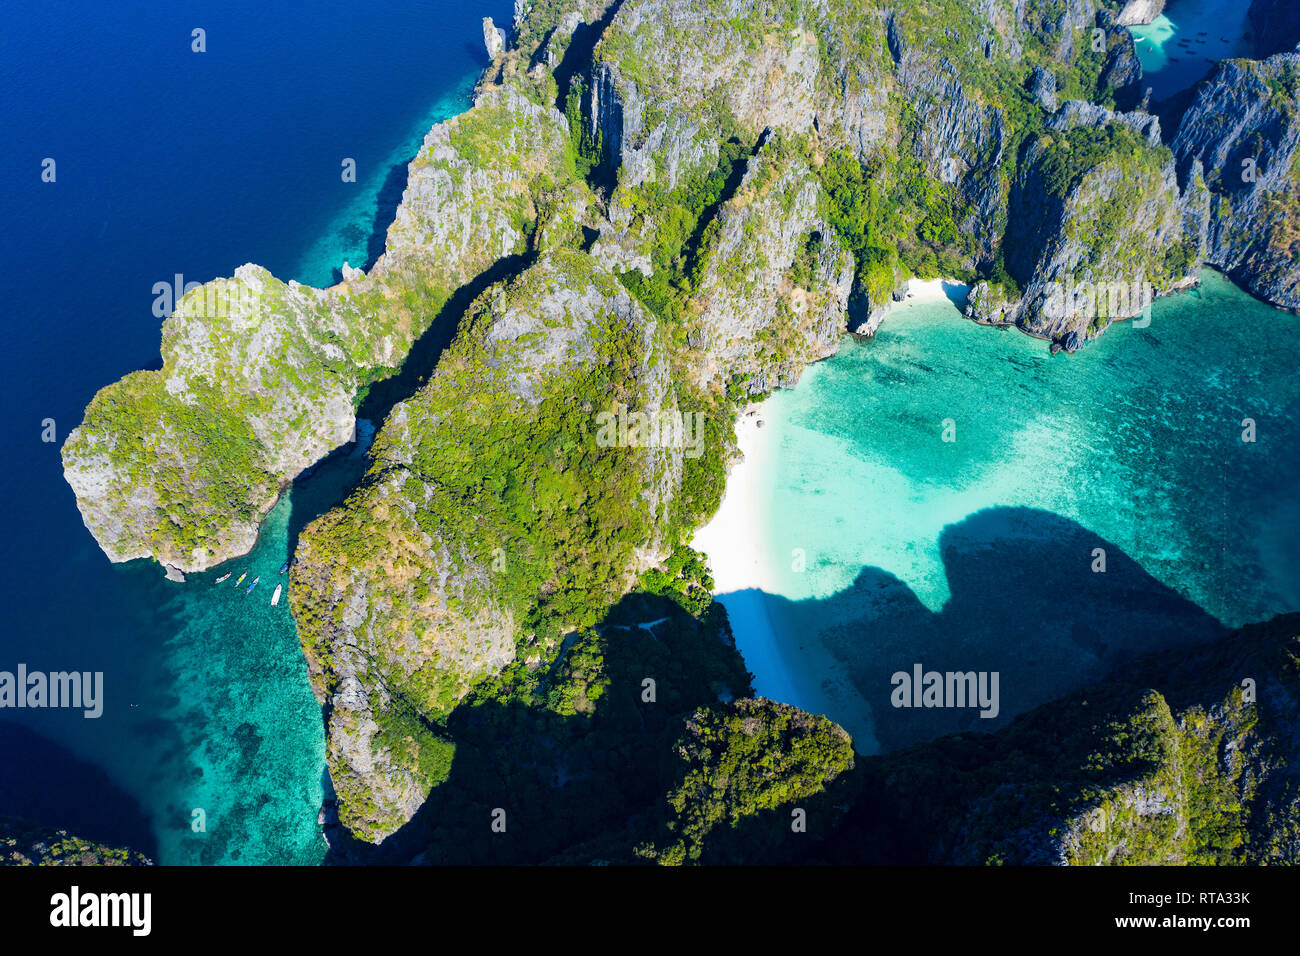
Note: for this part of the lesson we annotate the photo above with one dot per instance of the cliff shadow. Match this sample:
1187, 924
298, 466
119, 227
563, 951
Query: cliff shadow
577, 55
585, 765
327, 483
424, 354
1025, 603
386, 203
45, 783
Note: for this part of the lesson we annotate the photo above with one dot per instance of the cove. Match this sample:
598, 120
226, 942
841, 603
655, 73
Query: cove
874, 545
1182, 44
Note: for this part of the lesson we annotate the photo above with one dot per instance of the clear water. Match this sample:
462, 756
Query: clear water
1181, 45
885, 546
175, 162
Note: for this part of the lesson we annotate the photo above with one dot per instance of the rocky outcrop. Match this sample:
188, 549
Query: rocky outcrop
959, 141
494, 37
1137, 12
1242, 133
728, 73
421, 586
775, 291
260, 378
1076, 114
257, 383
1121, 70
471, 191
1103, 228
1043, 87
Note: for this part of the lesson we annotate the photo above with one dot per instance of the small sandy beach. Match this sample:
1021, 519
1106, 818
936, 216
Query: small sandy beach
738, 555
733, 540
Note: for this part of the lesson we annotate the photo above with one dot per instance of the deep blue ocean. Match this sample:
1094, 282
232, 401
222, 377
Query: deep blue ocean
168, 162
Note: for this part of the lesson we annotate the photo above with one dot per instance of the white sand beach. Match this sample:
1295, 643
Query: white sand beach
733, 540
738, 555
936, 290
747, 583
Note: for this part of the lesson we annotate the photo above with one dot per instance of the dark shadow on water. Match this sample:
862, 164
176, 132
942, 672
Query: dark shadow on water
478, 53
390, 197
565, 781
46, 784
1024, 602
386, 203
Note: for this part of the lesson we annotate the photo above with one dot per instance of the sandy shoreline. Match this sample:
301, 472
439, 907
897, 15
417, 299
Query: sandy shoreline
936, 290
733, 540
747, 583
737, 551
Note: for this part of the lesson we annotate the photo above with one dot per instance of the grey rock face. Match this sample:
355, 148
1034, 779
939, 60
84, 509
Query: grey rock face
1122, 69
719, 73
775, 290
1043, 86
959, 141
464, 203
494, 37
1078, 113
558, 40
1138, 12
1102, 249
1243, 129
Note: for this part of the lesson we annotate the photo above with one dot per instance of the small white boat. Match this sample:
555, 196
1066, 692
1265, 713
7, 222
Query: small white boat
275, 598
223, 578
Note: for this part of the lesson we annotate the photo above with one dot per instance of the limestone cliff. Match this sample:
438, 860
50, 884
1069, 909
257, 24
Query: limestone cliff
774, 293
1102, 227
260, 378
493, 502
1242, 135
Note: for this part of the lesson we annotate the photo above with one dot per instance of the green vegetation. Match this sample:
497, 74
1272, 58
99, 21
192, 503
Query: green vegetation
26, 844
404, 734
684, 230
1166, 763
741, 762
587, 147
1068, 157
684, 579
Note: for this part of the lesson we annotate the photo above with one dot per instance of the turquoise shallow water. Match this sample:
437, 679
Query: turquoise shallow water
1183, 43
887, 546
